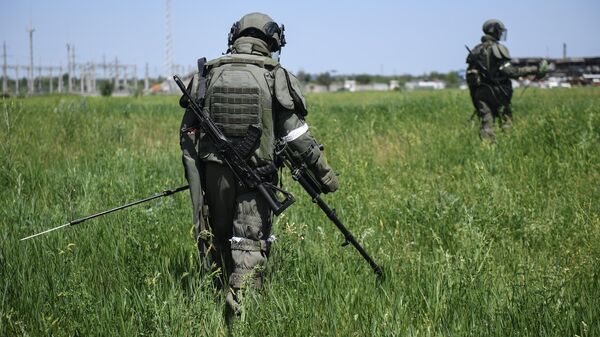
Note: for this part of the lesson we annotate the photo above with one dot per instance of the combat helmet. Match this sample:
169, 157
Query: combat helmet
495, 28
260, 26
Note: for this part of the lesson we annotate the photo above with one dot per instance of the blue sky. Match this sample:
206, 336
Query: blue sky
377, 36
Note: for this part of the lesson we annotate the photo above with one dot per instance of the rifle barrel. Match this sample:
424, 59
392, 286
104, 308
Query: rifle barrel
348, 235
298, 175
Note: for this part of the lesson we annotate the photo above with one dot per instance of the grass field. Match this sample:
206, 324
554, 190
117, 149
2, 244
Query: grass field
476, 239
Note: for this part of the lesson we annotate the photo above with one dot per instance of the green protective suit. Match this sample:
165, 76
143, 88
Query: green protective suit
488, 76
233, 224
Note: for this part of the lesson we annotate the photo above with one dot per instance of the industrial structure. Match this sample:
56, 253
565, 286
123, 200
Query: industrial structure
77, 77
85, 78
567, 71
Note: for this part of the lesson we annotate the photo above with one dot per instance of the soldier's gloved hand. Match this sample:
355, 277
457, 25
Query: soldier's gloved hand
542, 69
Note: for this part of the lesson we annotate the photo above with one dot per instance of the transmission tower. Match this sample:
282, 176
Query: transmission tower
168, 40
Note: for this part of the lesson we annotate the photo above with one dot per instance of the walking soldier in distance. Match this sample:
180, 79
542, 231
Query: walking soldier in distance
256, 103
488, 77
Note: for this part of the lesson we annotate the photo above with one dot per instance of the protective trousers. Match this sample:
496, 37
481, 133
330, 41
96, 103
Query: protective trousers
488, 108
240, 220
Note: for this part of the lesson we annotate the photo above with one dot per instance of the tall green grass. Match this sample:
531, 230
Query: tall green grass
476, 239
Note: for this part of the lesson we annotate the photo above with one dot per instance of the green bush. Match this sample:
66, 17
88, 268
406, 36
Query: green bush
106, 88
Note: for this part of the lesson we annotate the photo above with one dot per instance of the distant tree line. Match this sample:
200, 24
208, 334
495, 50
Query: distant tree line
452, 79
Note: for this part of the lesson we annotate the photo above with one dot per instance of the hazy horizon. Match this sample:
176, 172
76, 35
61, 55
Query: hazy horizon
349, 37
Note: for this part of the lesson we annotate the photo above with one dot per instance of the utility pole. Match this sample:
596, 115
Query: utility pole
116, 74
39, 69
146, 79
30, 83
93, 78
125, 76
60, 79
4, 68
82, 75
168, 41
51, 80
74, 65
104, 65
135, 78
17, 81
69, 80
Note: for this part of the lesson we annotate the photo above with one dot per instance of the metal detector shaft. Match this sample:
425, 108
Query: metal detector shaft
78, 221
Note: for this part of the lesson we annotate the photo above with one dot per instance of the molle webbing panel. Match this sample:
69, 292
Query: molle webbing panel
233, 109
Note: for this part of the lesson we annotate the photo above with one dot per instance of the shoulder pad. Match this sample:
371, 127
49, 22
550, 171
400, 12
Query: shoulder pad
500, 51
282, 92
288, 91
261, 61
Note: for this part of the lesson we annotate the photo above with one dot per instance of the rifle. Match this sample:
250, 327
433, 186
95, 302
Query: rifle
246, 175
133, 203
311, 185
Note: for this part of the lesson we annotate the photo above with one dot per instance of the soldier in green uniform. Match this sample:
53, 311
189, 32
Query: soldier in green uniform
246, 90
488, 77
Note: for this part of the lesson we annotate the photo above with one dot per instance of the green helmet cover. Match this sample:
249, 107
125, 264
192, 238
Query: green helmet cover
495, 28
261, 26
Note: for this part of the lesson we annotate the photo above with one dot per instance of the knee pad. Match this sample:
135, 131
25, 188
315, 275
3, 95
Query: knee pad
249, 257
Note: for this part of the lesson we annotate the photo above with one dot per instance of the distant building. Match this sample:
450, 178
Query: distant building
347, 85
315, 87
567, 71
594, 79
352, 86
432, 85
